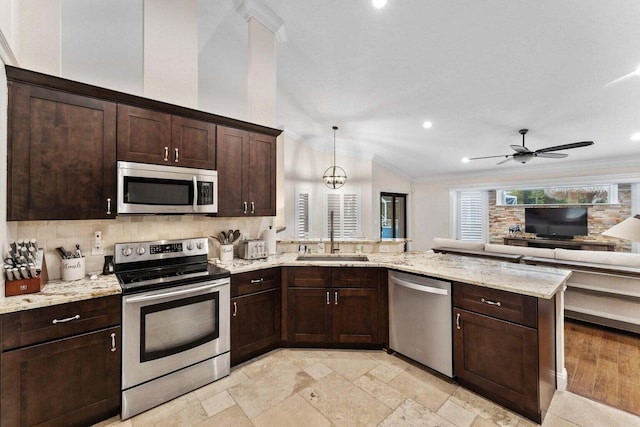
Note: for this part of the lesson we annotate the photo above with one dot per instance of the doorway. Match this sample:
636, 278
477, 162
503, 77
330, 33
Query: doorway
393, 216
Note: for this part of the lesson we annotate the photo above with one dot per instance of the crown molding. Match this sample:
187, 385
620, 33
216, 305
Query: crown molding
258, 10
6, 54
614, 170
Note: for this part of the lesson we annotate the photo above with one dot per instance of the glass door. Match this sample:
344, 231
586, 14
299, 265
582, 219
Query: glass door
393, 215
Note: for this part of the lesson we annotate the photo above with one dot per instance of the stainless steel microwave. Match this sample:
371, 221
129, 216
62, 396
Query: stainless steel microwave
159, 189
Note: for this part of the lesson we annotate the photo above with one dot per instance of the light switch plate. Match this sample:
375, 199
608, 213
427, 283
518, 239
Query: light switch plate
96, 248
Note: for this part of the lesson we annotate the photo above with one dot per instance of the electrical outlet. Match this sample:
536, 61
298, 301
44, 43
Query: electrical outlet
321, 247
97, 248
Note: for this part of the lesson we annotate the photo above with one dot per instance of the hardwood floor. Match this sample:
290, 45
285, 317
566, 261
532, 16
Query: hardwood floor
603, 364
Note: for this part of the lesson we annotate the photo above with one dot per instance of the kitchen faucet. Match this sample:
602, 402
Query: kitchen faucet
333, 249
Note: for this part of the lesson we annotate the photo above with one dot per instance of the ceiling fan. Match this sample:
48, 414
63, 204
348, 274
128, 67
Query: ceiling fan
523, 154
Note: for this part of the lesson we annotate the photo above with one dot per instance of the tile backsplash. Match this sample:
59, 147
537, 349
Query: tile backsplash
52, 234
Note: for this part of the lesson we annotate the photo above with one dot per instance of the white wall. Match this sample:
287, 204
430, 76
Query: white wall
40, 36
4, 231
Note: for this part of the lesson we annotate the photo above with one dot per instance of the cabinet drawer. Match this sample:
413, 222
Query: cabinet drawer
356, 277
29, 327
308, 277
503, 305
255, 281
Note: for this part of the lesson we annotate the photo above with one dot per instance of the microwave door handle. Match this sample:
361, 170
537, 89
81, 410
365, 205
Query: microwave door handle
195, 193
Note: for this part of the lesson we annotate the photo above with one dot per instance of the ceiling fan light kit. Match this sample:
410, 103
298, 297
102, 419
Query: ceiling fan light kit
523, 154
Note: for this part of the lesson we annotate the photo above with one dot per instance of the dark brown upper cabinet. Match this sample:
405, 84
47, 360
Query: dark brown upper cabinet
246, 173
61, 155
149, 136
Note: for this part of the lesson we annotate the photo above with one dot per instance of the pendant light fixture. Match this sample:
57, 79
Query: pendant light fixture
334, 177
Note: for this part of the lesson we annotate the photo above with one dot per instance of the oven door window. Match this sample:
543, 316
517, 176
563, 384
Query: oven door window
152, 191
175, 326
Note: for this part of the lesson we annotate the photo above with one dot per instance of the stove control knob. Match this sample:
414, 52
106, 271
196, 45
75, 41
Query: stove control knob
140, 250
190, 246
200, 245
127, 251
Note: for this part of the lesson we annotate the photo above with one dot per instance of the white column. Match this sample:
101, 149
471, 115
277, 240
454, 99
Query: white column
262, 74
170, 51
39, 47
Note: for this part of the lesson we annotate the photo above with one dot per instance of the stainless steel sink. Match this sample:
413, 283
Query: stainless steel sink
321, 257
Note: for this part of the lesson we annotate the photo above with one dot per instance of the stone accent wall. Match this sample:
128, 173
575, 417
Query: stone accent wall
601, 218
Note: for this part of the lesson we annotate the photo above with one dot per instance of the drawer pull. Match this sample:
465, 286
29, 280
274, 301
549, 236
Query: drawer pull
113, 342
260, 280
457, 320
68, 319
335, 296
166, 154
244, 208
328, 301
235, 309
177, 156
496, 303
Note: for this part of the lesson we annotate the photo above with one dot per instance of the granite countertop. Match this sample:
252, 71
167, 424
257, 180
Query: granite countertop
536, 281
59, 292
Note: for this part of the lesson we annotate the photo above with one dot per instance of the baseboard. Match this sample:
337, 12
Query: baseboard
562, 379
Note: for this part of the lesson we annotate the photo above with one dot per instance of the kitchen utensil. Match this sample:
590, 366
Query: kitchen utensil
62, 252
230, 237
77, 253
223, 237
236, 235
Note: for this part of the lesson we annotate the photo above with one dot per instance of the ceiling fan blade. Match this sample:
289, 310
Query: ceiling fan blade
520, 149
504, 161
490, 157
565, 146
552, 155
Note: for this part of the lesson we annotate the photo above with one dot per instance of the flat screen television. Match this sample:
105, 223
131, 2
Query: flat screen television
560, 223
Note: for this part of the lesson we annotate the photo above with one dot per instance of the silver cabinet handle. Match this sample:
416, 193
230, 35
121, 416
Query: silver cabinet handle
177, 156
335, 297
253, 208
457, 320
68, 319
328, 301
244, 207
235, 309
113, 342
195, 194
260, 280
108, 205
486, 301
166, 154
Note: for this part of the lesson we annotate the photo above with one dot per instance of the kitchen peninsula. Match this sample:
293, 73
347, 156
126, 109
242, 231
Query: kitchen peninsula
519, 283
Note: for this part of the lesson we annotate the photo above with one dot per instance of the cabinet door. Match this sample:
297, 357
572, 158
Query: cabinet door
144, 136
232, 175
61, 155
498, 357
255, 324
70, 382
195, 142
262, 175
309, 313
355, 315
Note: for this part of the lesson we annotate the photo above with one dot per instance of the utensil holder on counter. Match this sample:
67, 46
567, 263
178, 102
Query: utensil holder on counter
72, 269
31, 285
226, 253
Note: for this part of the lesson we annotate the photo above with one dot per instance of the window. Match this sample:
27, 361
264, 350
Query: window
574, 195
346, 215
302, 215
471, 215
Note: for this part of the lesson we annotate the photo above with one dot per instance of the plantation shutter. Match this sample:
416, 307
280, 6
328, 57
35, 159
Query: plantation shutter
302, 216
471, 212
346, 214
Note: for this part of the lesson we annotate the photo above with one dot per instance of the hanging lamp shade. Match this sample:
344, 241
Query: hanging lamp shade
334, 177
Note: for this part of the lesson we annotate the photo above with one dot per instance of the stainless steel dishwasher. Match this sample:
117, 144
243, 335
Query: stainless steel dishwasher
420, 322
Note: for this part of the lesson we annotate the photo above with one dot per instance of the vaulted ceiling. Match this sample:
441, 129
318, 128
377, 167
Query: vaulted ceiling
478, 70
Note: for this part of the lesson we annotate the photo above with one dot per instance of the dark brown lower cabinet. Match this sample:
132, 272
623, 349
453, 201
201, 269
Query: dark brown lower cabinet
72, 382
255, 324
511, 362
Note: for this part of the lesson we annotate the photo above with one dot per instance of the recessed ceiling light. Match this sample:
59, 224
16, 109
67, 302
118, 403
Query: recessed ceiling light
465, 160
635, 136
379, 4
427, 125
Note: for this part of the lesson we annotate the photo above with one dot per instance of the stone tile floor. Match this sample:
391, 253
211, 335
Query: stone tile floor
302, 387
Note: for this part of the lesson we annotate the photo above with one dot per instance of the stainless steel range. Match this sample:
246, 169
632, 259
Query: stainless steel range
175, 320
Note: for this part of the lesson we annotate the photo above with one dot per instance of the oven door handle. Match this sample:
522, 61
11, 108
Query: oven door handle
170, 294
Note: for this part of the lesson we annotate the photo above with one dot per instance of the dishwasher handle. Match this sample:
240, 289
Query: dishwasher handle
418, 287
